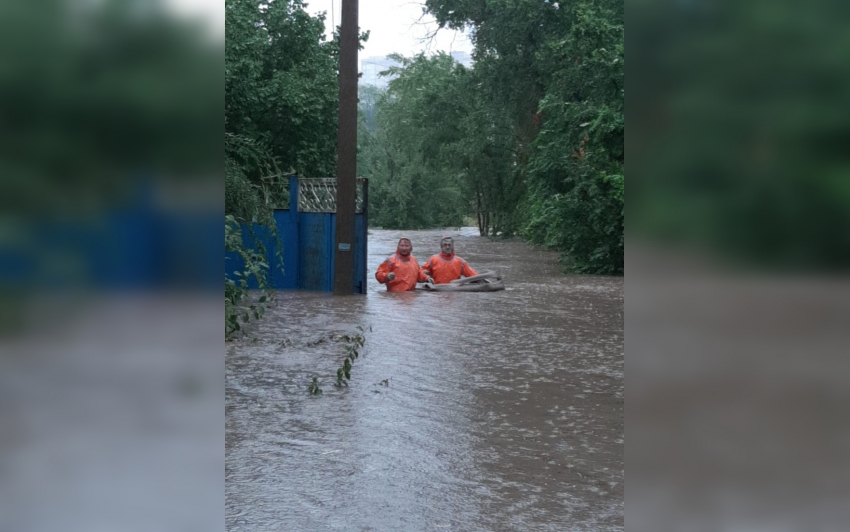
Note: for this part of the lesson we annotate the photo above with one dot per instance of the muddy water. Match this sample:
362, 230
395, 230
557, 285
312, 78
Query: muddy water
504, 410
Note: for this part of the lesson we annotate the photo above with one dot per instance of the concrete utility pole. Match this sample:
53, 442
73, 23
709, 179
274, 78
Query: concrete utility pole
346, 165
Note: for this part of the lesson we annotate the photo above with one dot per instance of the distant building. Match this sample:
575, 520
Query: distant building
370, 67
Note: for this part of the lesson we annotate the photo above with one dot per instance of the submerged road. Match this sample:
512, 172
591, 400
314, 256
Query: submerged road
504, 410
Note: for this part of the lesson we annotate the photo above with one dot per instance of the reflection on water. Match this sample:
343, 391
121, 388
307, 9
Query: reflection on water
504, 410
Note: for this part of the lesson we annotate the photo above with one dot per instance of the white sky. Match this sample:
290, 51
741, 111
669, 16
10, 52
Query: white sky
392, 24
393, 28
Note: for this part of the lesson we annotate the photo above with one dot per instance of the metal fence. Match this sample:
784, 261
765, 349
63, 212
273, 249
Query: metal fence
318, 194
307, 231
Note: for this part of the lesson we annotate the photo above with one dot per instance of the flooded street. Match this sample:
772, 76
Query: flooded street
504, 410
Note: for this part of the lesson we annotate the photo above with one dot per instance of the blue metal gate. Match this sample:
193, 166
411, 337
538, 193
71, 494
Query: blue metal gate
307, 232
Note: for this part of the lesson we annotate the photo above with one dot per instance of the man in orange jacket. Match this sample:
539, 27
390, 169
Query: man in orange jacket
401, 271
445, 267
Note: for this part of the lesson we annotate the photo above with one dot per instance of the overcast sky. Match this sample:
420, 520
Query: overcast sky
392, 24
393, 28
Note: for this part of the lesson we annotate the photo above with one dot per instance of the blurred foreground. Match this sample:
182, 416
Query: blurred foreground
110, 178
738, 298
736, 414
112, 415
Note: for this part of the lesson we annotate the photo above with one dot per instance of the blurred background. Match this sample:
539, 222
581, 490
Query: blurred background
738, 249
111, 195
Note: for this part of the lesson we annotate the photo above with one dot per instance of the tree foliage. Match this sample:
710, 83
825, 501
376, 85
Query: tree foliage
746, 162
280, 114
407, 157
529, 141
281, 83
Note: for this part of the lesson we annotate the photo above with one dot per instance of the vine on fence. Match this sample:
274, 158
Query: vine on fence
236, 290
253, 187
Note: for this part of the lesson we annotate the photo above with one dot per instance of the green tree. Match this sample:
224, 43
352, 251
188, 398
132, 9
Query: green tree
281, 94
412, 184
530, 141
576, 172
369, 96
281, 83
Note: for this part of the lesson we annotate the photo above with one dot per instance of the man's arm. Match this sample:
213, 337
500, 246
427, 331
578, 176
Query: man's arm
467, 271
425, 271
383, 271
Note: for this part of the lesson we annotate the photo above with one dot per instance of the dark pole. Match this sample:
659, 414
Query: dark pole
346, 165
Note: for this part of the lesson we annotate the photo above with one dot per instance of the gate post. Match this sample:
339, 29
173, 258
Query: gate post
293, 220
365, 234
293, 198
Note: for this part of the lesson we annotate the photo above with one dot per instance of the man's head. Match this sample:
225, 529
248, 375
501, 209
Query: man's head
447, 245
404, 247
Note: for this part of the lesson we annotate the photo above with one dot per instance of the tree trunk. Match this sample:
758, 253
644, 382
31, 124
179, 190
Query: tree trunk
478, 213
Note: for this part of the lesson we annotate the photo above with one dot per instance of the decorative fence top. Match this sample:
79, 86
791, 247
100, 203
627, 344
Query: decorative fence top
318, 194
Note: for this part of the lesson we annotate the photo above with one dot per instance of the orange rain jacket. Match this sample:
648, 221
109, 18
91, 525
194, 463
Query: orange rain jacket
446, 268
406, 272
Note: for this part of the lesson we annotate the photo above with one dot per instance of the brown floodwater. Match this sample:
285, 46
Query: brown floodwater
504, 410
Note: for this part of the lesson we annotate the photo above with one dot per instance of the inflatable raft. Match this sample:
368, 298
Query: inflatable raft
484, 282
